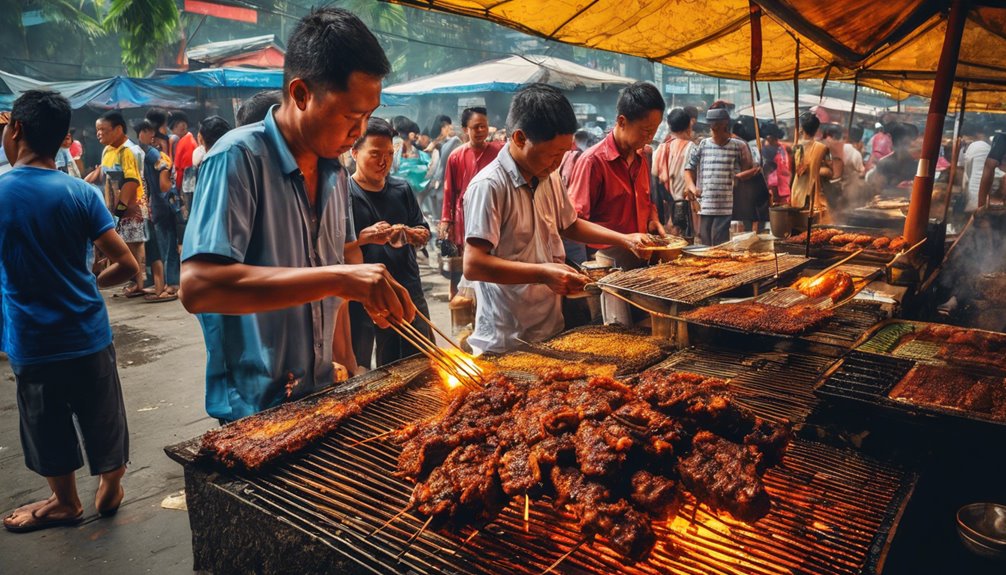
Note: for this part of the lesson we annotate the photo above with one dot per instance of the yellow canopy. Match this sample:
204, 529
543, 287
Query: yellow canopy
893, 46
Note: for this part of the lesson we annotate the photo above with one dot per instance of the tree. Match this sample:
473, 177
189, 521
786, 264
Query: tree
145, 28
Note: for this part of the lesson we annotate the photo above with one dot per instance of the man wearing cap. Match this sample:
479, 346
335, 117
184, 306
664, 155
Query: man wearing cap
715, 163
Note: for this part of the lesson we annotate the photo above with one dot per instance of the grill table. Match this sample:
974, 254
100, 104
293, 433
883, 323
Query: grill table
834, 511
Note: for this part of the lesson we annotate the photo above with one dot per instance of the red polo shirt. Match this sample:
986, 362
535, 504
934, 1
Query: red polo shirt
606, 190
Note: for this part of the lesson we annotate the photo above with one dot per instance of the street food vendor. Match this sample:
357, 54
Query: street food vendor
894, 173
517, 213
263, 253
813, 163
993, 162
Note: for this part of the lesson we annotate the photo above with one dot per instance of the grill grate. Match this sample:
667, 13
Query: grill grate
832, 509
866, 377
690, 285
775, 385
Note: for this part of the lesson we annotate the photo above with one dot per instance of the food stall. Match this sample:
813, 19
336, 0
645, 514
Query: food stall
834, 439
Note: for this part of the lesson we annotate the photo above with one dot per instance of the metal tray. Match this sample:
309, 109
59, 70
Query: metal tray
866, 376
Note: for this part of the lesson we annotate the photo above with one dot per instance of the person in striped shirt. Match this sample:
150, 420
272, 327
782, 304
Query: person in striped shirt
710, 174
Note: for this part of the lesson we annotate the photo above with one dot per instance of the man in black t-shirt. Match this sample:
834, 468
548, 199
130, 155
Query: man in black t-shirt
389, 224
992, 162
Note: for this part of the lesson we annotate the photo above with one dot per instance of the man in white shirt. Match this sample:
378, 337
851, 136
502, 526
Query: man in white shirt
972, 161
516, 215
854, 169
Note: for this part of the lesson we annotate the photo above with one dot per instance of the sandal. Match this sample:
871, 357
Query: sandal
39, 523
154, 298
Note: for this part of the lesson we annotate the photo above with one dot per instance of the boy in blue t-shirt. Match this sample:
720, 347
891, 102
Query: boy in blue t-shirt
55, 326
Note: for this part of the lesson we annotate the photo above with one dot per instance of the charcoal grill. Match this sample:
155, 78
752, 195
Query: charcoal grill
834, 512
684, 285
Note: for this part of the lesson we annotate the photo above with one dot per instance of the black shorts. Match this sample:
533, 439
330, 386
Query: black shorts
51, 395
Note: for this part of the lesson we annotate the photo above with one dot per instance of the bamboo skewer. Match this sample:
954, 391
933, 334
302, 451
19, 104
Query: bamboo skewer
466, 369
564, 556
436, 354
408, 544
835, 265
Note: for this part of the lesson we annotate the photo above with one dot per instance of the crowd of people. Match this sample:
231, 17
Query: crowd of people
265, 232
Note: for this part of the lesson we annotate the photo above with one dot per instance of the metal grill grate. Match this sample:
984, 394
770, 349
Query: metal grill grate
832, 509
691, 285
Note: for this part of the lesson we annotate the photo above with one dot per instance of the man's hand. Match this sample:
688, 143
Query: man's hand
378, 233
633, 242
385, 300
418, 236
692, 193
562, 279
655, 227
444, 229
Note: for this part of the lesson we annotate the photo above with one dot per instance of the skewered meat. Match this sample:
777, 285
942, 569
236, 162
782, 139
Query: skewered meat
259, 439
608, 452
725, 474
465, 485
601, 447
655, 494
753, 316
628, 531
897, 244
881, 243
948, 388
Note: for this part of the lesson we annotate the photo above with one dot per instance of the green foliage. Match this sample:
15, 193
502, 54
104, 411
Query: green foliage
145, 28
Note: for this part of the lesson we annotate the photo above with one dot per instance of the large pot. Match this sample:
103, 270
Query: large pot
787, 221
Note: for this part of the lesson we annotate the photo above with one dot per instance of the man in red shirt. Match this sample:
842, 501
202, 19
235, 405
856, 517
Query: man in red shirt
463, 164
610, 184
178, 123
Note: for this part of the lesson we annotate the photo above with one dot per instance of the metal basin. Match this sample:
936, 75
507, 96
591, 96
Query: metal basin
982, 528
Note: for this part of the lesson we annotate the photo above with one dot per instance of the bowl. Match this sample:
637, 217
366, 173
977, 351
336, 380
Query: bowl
596, 270
982, 527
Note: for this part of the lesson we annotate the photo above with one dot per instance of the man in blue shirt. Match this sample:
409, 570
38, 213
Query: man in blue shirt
56, 331
263, 255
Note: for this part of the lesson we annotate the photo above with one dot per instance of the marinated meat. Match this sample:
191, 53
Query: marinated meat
725, 475
259, 439
465, 485
752, 316
601, 447
655, 494
835, 284
950, 388
614, 455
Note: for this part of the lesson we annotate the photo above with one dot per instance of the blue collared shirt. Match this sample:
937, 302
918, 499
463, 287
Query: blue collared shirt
250, 206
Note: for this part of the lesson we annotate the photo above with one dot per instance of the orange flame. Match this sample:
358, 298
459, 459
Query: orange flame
465, 365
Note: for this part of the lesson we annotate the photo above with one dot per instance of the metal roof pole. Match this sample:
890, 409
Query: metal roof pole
955, 152
922, 186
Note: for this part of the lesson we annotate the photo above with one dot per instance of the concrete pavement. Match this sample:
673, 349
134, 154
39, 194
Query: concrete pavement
161, 363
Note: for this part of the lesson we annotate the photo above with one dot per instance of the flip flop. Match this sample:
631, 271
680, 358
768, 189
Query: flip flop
40, 523
135, 293
111, 511
152, 298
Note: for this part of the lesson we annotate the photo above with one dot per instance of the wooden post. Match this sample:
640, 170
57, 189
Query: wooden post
955, 152
796, 99
771, 102
852, 112
922, 186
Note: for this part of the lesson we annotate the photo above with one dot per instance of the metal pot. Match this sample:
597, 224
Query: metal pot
787, 221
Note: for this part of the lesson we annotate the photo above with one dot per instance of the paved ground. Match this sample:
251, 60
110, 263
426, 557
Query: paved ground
161, 362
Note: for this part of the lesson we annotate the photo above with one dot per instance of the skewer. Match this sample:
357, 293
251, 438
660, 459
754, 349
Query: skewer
372, 438
564, 556
835, 265
527, 513
421, 342
440, 333
466, 369
433, 355
414, 536
390, 521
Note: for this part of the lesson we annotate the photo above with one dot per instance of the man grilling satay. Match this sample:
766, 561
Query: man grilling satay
264, 249
516, 215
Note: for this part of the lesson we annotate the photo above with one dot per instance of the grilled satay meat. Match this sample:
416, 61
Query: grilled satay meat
897, 244
628, 531
881, 243
752, 316
655, 494
949, 388
597, 397
725, 475
662, 435
465, 485
601, 447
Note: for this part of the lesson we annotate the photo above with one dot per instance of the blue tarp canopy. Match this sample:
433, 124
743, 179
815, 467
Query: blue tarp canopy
226, 78
111, 93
